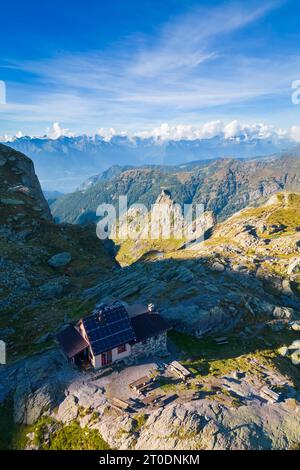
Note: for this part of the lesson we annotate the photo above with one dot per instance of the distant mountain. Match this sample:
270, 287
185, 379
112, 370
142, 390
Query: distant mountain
106, 175
224, 186
63, 163
51, 196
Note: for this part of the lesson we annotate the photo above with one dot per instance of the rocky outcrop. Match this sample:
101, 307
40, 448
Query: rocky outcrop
206, 425
294, 266
67, 410
60, 259
19, 186
164, 228
36, 271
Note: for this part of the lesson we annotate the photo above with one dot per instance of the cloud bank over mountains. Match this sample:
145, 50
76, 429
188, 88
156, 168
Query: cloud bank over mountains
63, 159
166, 132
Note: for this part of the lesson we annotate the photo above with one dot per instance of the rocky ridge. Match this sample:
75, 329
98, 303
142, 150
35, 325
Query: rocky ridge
224, 186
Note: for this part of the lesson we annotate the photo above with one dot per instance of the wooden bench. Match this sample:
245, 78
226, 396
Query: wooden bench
180, 370
152, 399
221, 341
121, 404
140, 384
269, 394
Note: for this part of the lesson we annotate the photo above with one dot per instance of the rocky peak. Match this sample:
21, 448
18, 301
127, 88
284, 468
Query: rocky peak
164, 198
285, 199
21, 196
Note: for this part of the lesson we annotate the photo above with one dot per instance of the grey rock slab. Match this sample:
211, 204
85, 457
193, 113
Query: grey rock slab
67, 410
60, 259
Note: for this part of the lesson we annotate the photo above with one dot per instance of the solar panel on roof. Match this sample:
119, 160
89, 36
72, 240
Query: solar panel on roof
108, 328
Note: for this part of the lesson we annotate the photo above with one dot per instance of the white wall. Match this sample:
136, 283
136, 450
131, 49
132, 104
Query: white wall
96, 360
97, 363
119, 357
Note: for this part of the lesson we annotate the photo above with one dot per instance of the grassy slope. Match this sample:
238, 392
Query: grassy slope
208, 359
70, 437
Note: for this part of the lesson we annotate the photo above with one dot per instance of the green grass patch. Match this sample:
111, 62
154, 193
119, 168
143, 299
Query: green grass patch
140, 421
12, 436
73, 437
204, 357
288, 217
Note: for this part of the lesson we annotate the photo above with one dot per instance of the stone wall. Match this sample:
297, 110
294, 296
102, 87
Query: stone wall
150, 347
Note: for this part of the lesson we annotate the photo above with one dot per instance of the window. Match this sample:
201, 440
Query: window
122, 349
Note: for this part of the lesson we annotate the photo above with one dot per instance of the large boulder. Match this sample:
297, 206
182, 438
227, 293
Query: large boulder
294, 266
283, 313
295, 345
60, 259
295, 357
67, 410
218, 267
295, 326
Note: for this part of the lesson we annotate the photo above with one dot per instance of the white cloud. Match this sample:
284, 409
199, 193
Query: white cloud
11, 138
233, 129
181, 131
108, 134
55, 131
166, 132
295, 133
185, 43
6, 138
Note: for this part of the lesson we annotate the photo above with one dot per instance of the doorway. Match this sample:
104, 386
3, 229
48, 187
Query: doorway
106, 358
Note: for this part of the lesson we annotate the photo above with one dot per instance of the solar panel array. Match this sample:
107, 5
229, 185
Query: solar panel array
109, 328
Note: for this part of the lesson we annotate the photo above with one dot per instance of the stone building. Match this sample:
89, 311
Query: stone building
114, 333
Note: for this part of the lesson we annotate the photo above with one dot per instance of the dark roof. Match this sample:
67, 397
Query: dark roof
71, 341
108, 328
148, 325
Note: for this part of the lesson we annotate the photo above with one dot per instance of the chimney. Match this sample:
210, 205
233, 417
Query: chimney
151, 308
101, 316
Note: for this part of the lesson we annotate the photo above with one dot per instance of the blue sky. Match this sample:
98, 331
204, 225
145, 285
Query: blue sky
133, 65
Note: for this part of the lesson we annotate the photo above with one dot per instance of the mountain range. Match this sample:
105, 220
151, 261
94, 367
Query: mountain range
224, 186
63, 163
